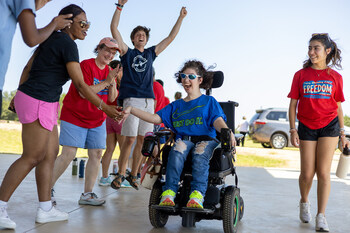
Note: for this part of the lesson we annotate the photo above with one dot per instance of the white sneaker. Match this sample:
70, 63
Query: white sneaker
53, 199
305, 213
5, 220
53, 215
321, 223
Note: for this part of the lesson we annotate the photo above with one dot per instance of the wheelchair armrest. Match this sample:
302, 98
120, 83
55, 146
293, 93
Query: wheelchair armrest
163, 133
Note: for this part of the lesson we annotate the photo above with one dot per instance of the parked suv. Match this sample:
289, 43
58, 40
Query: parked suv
270, 127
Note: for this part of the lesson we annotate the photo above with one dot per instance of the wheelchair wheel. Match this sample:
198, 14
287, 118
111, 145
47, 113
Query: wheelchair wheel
241, 208
157, 218
231, 207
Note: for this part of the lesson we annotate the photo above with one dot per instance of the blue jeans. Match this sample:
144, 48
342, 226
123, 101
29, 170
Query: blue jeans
201, 154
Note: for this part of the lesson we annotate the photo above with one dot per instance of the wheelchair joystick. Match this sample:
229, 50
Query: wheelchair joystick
226, 144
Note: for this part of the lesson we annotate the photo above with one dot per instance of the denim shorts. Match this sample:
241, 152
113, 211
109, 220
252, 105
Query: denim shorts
76, 136
330, 130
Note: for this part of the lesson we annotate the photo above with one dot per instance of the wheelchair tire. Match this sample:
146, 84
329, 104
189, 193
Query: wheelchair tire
157, 218
241, 208
231, 207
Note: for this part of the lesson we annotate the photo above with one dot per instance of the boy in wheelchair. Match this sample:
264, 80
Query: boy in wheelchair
195, 120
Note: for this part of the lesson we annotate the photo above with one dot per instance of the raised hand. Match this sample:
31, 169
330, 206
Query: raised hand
122, 2
62, 21
183, 12
114, 74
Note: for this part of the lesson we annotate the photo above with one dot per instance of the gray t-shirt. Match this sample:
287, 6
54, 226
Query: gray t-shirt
9, 12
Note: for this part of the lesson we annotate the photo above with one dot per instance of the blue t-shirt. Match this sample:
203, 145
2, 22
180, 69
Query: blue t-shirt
137, 78
9, 12
192, 118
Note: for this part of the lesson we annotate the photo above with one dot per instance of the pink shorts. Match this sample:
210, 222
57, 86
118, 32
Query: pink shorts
113, 126
30, 109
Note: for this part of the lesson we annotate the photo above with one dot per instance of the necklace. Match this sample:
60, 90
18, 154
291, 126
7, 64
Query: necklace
318, 74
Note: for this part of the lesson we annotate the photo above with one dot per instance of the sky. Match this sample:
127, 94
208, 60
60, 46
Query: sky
258, 44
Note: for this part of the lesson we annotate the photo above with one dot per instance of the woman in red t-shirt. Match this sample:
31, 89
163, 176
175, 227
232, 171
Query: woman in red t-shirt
317, 90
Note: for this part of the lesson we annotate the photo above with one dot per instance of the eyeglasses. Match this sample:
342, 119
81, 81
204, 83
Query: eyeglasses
190, 76
85, 24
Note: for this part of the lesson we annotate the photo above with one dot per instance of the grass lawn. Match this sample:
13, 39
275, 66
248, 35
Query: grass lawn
249, 143
10, 143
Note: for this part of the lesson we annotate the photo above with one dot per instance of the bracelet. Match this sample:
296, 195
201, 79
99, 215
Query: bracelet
342, 136
292, 129
100, 106
342, 129
121, 6
118, 8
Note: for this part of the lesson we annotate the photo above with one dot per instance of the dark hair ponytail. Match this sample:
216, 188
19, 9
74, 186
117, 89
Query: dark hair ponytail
333, 57
198, 66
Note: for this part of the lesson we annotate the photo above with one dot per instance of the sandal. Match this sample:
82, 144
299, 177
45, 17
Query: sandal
133, 181
117, 182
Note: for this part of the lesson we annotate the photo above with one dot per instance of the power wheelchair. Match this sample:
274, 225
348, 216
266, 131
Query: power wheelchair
221, 201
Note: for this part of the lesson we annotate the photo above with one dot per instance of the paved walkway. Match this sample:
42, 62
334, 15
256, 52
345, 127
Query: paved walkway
271, 205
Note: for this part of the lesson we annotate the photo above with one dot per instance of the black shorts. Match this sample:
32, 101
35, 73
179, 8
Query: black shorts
330, 130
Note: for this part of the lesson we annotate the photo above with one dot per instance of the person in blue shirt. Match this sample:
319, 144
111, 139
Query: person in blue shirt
23, 12
136, 88
198, 116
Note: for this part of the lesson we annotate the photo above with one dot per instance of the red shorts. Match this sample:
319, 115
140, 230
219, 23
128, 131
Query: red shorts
113, 126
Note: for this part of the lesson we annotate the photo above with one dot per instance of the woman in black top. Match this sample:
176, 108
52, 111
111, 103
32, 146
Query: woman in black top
54, 62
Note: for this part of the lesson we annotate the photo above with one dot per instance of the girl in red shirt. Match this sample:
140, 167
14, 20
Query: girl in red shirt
317, 90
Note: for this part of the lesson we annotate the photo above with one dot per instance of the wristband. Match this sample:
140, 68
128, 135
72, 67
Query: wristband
100, 106
292, 129
117, 4
118, 8
342, 129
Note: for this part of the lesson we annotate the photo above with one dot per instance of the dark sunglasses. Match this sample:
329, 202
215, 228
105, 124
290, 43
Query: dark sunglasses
190, 76
321, 34
85, 24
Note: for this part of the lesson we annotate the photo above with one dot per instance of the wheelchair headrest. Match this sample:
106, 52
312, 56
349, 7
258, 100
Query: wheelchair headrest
218, 79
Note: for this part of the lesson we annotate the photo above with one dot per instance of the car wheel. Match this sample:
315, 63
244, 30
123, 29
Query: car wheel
266, 145
279, 141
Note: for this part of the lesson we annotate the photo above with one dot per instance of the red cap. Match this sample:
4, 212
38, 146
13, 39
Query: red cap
110, 43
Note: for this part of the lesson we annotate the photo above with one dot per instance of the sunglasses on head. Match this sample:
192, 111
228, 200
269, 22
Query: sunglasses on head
190, 76
321, 34
84, 24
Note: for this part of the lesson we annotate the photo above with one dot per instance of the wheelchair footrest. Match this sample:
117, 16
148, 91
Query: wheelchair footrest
165, 208
197, 210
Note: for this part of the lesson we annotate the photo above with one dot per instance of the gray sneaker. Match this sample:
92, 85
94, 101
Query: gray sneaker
305, 213
90, 199
321, 223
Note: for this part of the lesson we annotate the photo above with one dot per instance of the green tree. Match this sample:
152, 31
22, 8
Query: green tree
6, 99
347, 120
